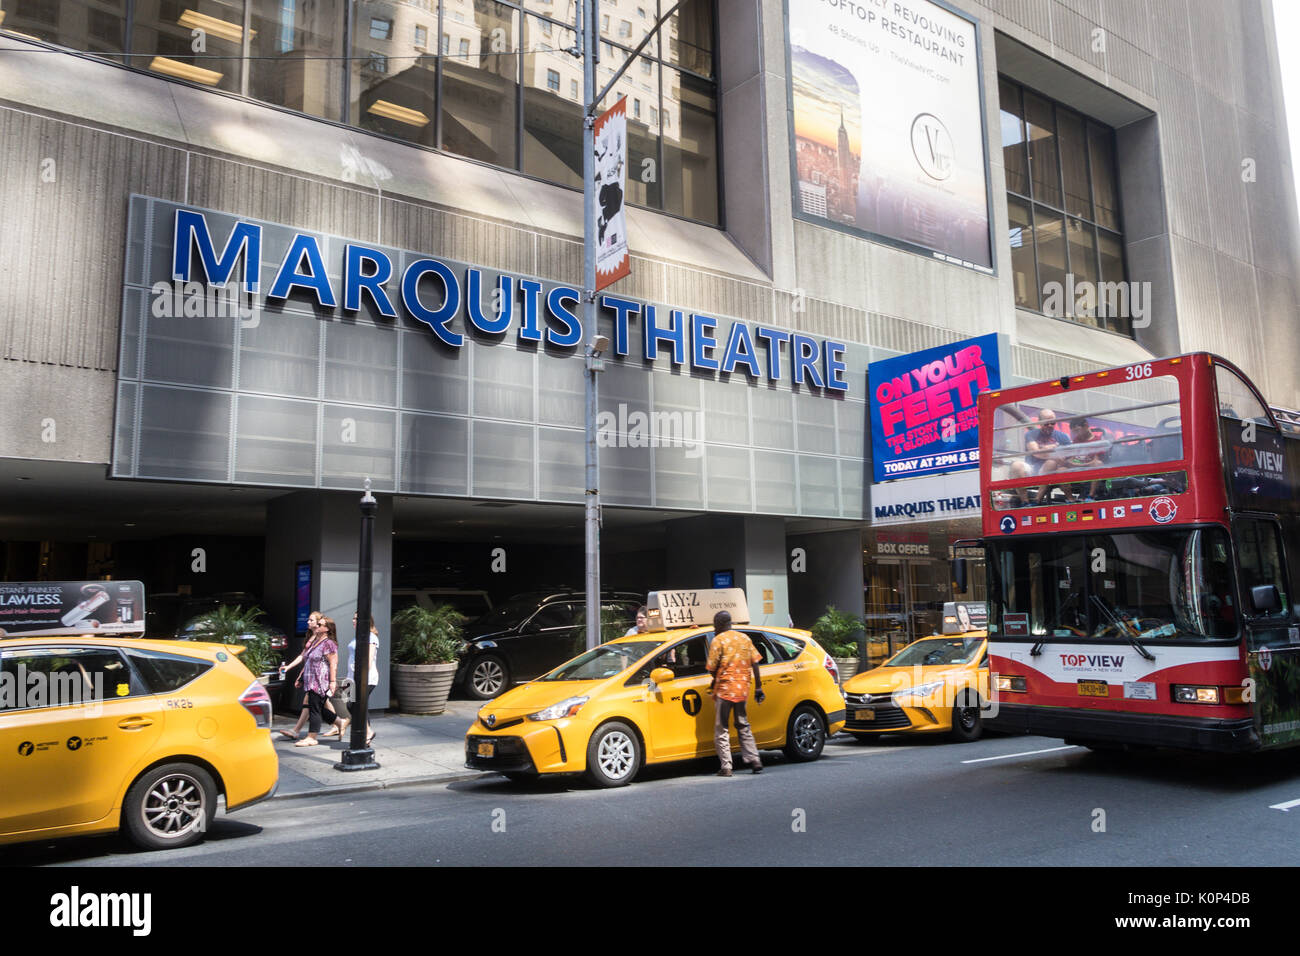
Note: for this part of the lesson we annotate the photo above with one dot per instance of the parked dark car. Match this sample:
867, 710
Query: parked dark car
531, 634
176, 616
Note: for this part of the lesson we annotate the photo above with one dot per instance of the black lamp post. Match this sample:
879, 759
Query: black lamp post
359, 756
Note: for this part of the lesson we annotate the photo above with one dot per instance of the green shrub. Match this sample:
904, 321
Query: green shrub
421, 636
232, 625
836, 631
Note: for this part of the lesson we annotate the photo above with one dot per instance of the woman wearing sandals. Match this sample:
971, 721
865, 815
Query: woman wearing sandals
319, 675
372, 677
331, 713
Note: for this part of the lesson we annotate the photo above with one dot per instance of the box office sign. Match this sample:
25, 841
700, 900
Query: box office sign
888, 125
922, 408
54, 608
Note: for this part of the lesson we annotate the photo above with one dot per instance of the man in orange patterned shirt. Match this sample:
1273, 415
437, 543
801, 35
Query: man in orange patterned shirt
732, 660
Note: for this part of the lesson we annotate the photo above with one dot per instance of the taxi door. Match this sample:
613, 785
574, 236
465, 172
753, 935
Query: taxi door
65, 754
680, 712
768, 720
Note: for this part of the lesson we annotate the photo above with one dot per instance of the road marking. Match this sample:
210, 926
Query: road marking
1029, 753
1284, 807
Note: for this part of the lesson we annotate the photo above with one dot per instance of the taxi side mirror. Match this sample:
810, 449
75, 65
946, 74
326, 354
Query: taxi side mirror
661, 675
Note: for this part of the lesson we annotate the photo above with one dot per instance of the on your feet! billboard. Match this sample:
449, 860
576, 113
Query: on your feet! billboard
888, 113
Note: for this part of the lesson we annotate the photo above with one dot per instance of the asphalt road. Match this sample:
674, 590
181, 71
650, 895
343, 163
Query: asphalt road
1000, 801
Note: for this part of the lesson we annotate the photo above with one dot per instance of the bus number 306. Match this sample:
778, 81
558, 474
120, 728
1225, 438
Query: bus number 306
1137, 371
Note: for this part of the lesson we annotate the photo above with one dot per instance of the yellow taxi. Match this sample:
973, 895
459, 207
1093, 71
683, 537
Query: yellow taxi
934, 685
98, 734
644, 699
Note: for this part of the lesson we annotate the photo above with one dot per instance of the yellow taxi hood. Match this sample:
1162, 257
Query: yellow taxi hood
886, 680
530, 698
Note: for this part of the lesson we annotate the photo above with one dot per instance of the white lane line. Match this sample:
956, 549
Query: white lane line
1284, 807
1029, 753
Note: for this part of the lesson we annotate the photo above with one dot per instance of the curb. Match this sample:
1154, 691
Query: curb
382, 785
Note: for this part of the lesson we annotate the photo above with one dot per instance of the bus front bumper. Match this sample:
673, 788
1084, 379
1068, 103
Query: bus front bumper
1146, 730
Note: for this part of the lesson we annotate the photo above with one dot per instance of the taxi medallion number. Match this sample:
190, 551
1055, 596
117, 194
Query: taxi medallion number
1094, 688
487, 748
864, 715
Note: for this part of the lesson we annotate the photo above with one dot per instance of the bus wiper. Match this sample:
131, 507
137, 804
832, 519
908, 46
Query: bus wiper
1121, 626
1038, 648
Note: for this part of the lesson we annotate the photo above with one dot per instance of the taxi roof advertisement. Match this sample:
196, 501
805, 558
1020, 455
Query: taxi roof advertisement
55, 608
922, 407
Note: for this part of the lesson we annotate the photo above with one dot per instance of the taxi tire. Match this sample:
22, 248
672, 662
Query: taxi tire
491, 660
610, 733
967, 719
184, 778
800, 728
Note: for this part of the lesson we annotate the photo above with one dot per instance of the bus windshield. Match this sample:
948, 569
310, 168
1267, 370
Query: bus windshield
1174, 585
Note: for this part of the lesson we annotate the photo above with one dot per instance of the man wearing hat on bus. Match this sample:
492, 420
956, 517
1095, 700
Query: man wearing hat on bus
733, 660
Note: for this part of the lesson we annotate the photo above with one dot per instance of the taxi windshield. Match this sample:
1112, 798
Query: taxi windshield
947, 650
604, 661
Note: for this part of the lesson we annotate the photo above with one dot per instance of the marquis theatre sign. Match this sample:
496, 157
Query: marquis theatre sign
453, 299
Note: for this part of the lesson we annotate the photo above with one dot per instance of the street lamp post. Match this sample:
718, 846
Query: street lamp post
359, 756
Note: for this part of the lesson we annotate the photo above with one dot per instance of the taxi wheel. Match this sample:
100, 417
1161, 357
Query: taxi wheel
806, 735
488, 678
613, 755
170, 806
967, 722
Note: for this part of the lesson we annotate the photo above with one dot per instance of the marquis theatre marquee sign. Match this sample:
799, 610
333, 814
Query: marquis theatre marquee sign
453, 299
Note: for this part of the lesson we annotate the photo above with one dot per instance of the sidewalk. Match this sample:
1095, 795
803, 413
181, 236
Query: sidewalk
408, 749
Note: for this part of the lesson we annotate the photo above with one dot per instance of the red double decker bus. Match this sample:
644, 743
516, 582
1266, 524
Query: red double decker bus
1142, 537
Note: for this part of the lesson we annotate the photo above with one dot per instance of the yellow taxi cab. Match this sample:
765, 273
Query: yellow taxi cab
644, 699
98, 734
934, 685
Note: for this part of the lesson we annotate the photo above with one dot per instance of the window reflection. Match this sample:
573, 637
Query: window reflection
480, 81
296, 46
196, 40
96, 26
552, 116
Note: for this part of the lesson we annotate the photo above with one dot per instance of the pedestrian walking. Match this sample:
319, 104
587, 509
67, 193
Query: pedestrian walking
319, 676
331, 713
733, 661
349, 689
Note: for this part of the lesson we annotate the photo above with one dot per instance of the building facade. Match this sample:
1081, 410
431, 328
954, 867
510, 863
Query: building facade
258, 251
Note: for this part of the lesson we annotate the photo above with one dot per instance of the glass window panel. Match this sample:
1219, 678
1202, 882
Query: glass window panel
1014, 158
1111, 248
1101, 146
503, 382
435, 456
689, 37
1074, 163
359, 363
643, 182
1049, 236
91, 25
434, 377
1044, 166
729, 479
281, 356
819, 492
773, 420
499, 448
356, 444
184, 433
774, 482
394, 84
1020, 234
190, 350
297, 50
679, 478
1083, 264
690, 173
561, 460
275, 441
552, 122
815, 423
480, 83
163, 40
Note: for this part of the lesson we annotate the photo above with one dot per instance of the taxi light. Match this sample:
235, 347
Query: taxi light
1194, 694
258, 703
1013, 684
1234, 695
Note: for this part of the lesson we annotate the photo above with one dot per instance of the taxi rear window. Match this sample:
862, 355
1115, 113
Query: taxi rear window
164, 673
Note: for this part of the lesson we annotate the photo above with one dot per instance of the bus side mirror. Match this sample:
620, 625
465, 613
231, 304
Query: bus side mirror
959, 574
1265, 598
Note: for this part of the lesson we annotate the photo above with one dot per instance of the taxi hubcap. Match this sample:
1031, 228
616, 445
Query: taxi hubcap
615, 755
173, 806
487, 678
806, 731
967, 717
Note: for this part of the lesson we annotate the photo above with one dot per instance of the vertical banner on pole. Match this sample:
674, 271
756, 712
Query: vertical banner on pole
610, 225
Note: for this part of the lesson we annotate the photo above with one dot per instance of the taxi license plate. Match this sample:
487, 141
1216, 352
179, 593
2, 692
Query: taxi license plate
487, 748
1094, 688
864, 715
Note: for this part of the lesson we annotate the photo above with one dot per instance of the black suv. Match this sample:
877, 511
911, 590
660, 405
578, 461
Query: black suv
531, 634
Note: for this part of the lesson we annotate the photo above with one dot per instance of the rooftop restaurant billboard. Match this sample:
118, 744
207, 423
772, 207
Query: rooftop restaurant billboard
888, 125
922, 408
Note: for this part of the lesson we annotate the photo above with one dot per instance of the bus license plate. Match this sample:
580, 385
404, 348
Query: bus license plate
1094, 688
487, 748
864, 715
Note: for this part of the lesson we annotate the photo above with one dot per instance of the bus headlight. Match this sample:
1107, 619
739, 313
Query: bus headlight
1195, 694
1014, 684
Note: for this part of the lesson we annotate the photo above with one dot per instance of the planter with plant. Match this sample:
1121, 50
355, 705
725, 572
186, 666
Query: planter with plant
426, 645
837, 631
233, 625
